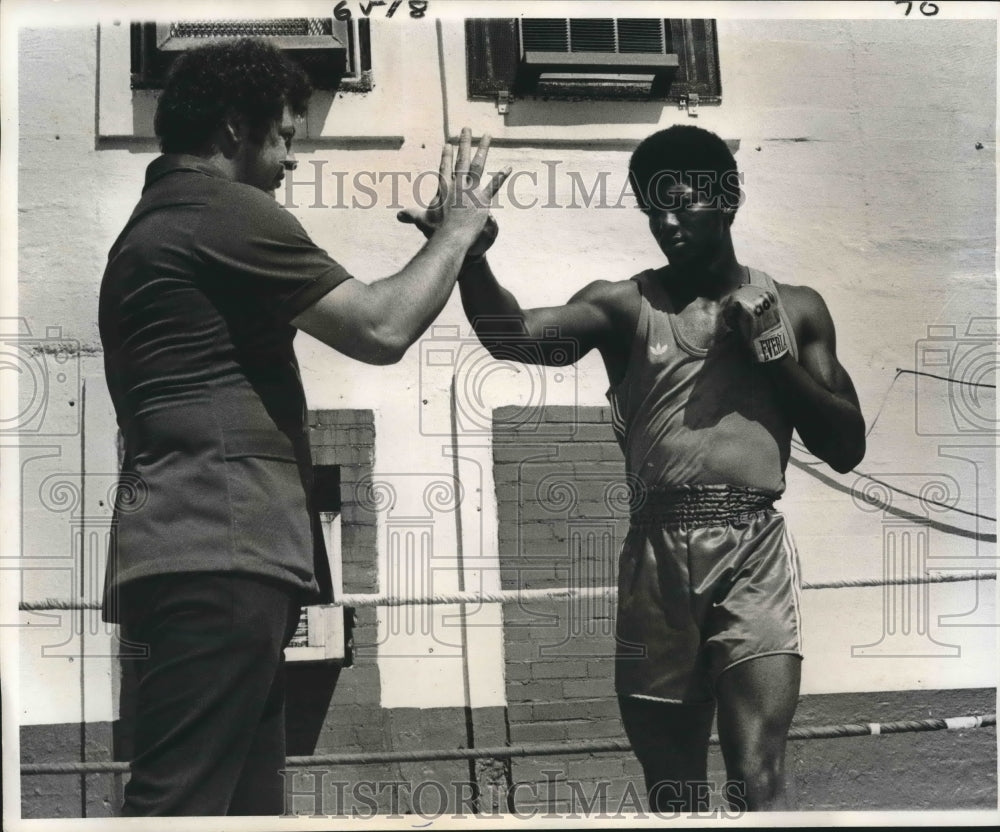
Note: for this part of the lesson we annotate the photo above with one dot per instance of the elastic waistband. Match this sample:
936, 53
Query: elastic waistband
700, 505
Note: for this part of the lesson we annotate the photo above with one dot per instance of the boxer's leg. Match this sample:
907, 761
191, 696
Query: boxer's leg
755, 652
658, 667
671, 743
757, 700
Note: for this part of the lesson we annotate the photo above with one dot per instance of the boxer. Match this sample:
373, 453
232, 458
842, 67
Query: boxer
712, 365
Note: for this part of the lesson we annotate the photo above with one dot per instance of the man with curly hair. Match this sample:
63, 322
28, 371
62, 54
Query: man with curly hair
218, 548
712, 365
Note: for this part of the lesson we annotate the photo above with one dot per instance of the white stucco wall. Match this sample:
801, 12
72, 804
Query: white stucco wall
858, 142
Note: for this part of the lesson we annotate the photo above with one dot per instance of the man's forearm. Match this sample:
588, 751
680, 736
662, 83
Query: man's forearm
413, 297
830, 425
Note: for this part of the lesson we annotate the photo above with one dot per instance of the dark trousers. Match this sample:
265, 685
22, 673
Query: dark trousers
209, 696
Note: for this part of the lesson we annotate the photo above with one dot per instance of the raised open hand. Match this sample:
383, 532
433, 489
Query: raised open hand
462, 200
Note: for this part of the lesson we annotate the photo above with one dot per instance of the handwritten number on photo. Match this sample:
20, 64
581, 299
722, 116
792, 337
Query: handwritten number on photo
926, 9
342, 11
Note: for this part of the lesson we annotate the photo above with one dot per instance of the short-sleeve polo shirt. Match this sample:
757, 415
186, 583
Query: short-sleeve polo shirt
195, 310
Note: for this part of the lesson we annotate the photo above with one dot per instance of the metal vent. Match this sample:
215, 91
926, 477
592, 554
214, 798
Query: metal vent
598, 35
333, 53
545, 34
641, 35
301, 33
288, 27
608, 35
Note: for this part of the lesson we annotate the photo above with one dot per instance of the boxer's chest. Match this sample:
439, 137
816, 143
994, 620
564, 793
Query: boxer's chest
699, 325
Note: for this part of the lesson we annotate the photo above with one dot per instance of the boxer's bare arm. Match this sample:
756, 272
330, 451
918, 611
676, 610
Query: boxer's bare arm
817, 391
600, 316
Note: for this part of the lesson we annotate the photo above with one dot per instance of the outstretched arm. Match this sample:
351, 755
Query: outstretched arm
816, 390
558, 335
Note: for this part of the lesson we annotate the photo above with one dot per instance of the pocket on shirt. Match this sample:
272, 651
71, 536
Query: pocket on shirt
269, 513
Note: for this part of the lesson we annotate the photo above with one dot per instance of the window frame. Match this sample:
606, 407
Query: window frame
496, 44
151, 55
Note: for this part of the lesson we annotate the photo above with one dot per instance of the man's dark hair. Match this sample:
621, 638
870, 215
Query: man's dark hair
249, 79
689, 155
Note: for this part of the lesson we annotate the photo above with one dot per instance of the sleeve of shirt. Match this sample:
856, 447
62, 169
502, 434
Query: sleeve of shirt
246, 239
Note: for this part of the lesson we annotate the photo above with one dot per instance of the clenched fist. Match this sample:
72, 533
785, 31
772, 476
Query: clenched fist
753, 312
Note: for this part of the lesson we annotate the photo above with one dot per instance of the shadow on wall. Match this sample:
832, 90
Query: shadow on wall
308, 692
524, 113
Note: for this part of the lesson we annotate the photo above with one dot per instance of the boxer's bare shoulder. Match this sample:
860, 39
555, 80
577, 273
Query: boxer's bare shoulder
807, 312
615, 306
617, 300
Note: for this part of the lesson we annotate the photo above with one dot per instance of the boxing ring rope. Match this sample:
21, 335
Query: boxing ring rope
504, 596
818, 732
360, 600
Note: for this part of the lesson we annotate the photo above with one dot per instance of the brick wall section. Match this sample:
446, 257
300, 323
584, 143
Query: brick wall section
559, 515
347, 438
561, 523
334, 709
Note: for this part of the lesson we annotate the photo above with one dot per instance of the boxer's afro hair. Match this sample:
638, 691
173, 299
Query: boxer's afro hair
246, 78
680, 153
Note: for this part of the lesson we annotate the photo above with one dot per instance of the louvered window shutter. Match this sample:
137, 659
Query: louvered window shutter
667, 59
